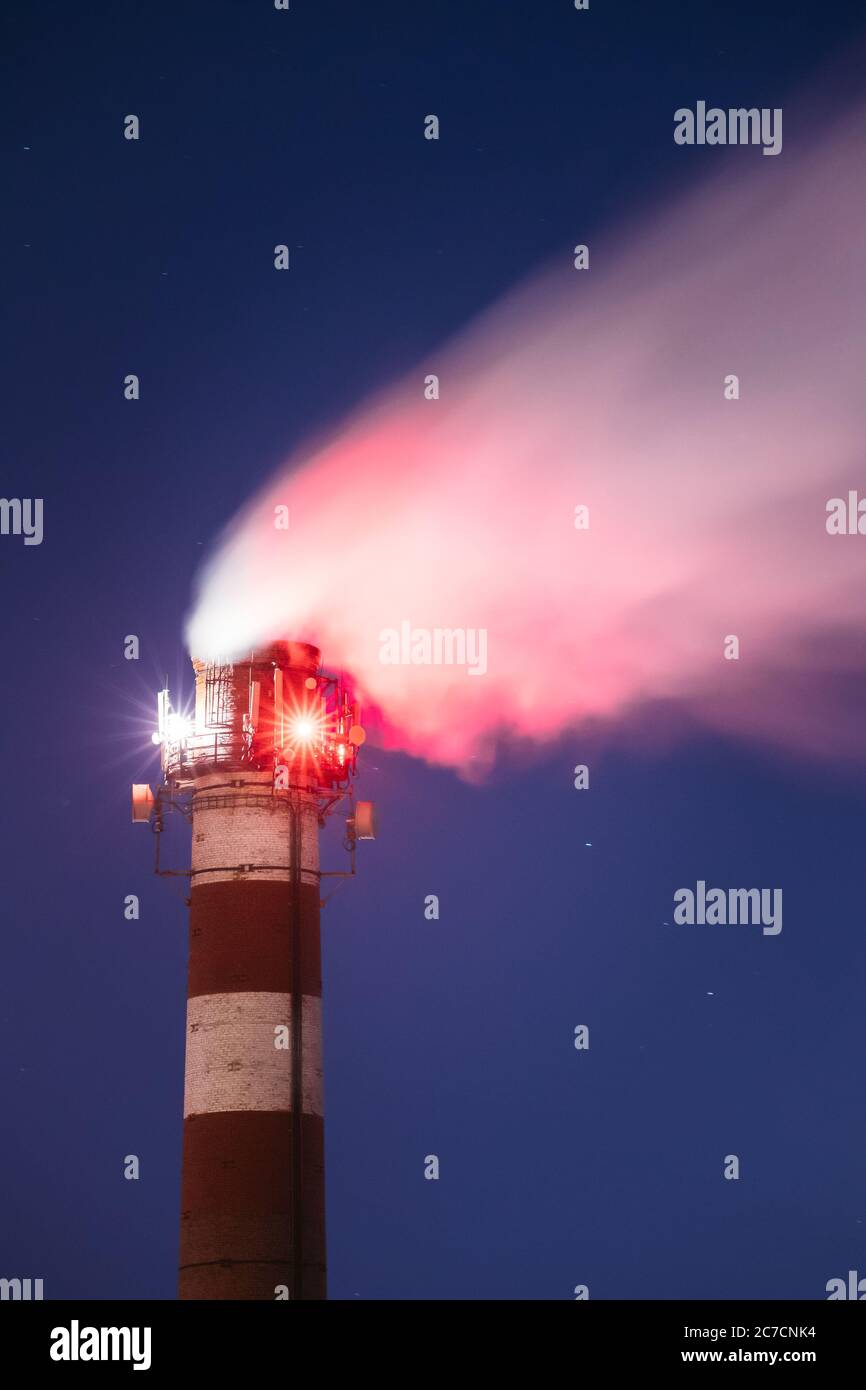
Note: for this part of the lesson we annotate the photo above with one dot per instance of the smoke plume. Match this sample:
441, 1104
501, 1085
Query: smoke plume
603, 389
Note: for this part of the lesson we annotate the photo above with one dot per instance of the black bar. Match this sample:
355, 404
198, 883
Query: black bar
200, 1339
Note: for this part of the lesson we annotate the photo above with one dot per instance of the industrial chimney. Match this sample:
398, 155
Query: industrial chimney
269, 753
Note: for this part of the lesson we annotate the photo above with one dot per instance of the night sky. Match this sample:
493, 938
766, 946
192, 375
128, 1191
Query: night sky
455, 1037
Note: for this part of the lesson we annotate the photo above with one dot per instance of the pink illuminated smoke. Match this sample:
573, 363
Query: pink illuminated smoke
604, 388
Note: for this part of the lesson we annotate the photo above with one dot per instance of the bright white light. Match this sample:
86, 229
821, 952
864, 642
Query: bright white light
178, 728
156, 738
304, 729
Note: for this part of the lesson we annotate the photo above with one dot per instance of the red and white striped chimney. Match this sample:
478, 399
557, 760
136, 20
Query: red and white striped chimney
253, 1185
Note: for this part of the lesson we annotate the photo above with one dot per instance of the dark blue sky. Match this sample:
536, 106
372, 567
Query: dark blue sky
454, 1038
